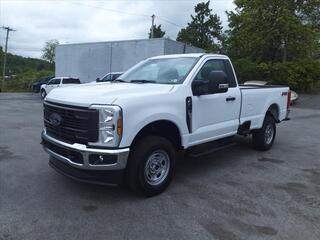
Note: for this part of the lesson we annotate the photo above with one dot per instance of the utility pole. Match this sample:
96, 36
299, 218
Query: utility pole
5, 56
152, 26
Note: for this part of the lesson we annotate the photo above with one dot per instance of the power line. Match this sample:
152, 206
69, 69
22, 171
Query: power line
133, 14
112, 10
5, 55
168, 21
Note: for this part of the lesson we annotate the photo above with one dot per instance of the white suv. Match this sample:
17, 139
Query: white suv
57, 82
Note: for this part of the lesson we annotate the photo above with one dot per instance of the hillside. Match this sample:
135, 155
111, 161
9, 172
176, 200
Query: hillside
23, 71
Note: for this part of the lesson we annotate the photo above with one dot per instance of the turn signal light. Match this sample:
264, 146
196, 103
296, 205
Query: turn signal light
119, 126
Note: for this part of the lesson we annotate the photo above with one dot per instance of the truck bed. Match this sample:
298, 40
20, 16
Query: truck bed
256, 99
255, 86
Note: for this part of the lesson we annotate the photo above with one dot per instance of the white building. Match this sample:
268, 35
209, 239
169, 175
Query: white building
88, 61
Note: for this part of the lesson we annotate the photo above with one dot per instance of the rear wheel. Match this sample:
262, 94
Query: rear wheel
151, 166
43, 93
263, 138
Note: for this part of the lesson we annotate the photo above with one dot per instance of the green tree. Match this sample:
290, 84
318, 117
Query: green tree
204, 30
273, 30
157, 32
48, 52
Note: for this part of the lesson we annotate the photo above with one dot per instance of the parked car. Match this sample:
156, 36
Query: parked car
133, 128
36, 86
57, 82
109, 77
294, 95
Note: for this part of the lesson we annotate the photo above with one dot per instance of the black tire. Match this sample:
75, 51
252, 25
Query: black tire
43, 94
142, 152
261, 138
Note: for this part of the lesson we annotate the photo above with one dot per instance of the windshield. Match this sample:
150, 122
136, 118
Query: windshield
164, 70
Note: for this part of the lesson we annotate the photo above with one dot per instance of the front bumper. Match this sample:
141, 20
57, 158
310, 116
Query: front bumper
102, 177
73, 160
79, 155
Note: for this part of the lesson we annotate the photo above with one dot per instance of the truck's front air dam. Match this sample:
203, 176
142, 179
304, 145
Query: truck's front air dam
83, 157
101, 177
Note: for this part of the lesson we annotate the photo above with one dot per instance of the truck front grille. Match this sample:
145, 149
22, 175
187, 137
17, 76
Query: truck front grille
71, 124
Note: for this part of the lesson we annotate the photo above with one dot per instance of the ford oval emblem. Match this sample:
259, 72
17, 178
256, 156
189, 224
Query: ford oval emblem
55, 119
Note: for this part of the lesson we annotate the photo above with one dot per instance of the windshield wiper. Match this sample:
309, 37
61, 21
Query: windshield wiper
142, 81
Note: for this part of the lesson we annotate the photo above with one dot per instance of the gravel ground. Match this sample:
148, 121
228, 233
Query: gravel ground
236, 193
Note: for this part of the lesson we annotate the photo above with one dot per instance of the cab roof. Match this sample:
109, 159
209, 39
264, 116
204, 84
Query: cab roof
194, 55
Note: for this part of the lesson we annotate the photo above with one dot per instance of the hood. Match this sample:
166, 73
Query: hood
104, 93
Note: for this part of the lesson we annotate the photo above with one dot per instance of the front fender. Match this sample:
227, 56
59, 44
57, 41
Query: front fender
131, 130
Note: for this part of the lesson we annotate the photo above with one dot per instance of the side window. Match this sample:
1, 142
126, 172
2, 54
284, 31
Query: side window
115, 76
201, 81
52, 81
70, 81
106, 78
208, 67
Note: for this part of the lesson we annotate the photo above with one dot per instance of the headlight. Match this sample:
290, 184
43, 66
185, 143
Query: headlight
110, 125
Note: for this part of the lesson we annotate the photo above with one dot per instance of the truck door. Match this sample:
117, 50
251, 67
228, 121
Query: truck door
215, 115
53, 84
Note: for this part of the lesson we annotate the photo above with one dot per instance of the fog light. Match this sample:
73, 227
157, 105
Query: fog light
96, 159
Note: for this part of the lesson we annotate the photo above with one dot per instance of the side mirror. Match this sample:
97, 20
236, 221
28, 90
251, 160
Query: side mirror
199, 86
98, 80
218, 82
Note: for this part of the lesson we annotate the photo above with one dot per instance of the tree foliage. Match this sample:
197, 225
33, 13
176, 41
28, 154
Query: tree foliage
204, 30
18, 64
157, 32
48, 52
24, 71
273, 30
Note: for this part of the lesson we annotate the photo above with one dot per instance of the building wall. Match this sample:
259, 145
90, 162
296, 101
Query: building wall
88, 61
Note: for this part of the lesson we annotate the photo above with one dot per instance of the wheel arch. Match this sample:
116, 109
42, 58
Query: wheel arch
274, 111
163, 128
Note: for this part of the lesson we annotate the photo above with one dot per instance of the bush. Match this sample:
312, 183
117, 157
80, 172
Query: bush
246, 70
23, 82
301, 75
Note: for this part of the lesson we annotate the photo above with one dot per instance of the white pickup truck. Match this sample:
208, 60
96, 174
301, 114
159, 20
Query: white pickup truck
57, 82
131, 130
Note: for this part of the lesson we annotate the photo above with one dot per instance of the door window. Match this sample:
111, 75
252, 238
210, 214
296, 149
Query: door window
208, 67
53, 81
204, 73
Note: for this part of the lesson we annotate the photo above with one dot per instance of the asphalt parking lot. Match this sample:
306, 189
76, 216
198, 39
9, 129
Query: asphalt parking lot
236, 193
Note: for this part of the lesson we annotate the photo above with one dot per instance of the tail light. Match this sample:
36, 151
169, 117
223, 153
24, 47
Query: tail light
289, 99
288, 105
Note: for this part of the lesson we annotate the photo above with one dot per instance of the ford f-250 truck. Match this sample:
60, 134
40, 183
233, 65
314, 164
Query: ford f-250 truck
132, 129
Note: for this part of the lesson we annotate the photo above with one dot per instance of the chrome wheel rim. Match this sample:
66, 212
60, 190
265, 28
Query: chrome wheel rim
268, 135
157, 167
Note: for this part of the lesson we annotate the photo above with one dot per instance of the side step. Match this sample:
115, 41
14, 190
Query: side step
208, 148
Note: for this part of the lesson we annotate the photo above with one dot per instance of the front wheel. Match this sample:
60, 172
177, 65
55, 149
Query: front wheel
43, 94
263, 138
151, 166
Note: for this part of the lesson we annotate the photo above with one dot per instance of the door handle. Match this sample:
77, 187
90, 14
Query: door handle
228, 99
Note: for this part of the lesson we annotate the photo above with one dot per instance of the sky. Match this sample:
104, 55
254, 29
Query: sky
75, 21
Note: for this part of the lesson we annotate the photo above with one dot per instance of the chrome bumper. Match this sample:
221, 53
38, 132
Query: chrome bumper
121, 154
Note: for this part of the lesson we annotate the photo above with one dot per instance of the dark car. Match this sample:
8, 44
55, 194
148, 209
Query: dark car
36, 86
